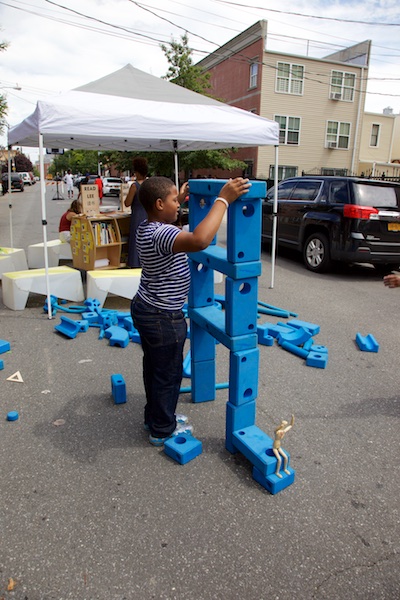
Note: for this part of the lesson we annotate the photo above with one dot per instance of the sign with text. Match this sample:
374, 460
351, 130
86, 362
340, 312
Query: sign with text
90, 200
124, 192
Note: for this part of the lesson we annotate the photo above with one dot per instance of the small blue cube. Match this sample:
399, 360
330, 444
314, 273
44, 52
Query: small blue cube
183, 448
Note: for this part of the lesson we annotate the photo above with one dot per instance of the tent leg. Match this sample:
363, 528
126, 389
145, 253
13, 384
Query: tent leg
274, 219
9, 195
44, 223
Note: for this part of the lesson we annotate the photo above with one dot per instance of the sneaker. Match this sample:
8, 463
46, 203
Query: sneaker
159, 441
180, 420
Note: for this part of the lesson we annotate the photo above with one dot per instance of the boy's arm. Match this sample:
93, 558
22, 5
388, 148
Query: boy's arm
205, 231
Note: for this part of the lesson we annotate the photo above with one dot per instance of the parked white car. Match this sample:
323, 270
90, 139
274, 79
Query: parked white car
26, 178
112, 186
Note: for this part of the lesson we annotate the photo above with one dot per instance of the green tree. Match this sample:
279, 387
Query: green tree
183, 72
79, 161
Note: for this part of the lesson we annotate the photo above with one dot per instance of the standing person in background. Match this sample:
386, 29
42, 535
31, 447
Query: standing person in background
99, 183
69, 181
64, 227
140, 169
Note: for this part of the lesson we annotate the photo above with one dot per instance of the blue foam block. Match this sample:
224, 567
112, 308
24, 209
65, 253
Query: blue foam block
272, 483
203, 381
295, 349
4, 346
241, 298
295, 336
68, 327
1, 365
183, 447
317, 359
118, 388
312, 327
187, 363
256, 446
243, 376
320, 349
367, 343
117, 336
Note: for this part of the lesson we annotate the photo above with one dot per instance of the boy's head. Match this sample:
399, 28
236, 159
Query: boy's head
153, 189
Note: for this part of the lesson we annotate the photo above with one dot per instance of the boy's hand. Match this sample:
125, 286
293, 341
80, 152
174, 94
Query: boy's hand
234, 188
183, 192
392, 281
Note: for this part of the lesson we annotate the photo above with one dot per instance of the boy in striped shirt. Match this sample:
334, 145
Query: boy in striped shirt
157, 307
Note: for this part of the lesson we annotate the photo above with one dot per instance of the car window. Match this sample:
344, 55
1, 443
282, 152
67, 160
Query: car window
338, 192
376, 195
284, 190
306, 190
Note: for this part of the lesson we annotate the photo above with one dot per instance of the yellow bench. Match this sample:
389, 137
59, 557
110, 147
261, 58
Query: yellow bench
56, 250
121, 282
64, 282
12, 259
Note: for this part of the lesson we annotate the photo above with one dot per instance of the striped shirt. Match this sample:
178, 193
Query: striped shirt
165, 276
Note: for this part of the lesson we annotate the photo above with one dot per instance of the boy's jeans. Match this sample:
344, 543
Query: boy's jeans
163, 336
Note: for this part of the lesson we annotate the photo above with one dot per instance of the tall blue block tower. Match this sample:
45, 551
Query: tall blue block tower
235, 326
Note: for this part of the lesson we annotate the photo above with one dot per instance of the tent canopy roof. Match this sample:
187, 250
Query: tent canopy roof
161, 116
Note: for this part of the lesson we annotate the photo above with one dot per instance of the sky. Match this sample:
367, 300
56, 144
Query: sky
57, 45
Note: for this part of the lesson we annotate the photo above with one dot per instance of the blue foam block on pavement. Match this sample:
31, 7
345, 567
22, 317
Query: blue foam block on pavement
117, 336
272, 483
4, 346
183, 447
317, 359
118, 388
367, 343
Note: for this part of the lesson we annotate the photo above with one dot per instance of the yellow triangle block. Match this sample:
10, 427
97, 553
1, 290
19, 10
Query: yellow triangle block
16, 377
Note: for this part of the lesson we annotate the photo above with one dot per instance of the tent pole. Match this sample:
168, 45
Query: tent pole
176, 164
9, 192
274, 218
44, 222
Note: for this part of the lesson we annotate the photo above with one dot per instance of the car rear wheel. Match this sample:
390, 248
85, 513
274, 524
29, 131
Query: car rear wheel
316, 253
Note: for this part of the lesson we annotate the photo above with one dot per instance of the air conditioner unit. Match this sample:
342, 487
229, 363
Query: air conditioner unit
331, 145
336, 96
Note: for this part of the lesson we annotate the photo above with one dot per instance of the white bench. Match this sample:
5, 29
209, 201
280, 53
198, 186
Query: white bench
121, 282
56, 250
64, 282
12, 259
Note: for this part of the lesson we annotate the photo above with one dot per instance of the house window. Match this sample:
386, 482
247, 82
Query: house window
289, 78
289, 129
253, 74
374, 135
342, 86
337, 135
284, 172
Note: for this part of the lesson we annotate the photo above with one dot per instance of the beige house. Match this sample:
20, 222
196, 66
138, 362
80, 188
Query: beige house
380, 144
319, 103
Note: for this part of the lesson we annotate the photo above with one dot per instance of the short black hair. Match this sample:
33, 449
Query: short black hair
152, 189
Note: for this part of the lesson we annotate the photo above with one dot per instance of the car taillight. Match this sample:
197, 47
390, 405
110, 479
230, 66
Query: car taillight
352, 211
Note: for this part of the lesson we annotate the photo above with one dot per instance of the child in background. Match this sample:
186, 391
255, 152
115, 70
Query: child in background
157, 307
64, 227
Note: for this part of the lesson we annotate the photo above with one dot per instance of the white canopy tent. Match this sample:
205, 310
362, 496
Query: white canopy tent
103, 115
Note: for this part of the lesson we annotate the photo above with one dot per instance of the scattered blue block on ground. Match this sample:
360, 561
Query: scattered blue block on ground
317, 359
92, 304
118, 388
272, 329
320, 349
117, 336
272, 483
12, 415
264, 336
91, 316
308, 344
68, 327
295, 349
1, 365
134, 336
183, 447
4, 346
295, 336
312, 327
367, 343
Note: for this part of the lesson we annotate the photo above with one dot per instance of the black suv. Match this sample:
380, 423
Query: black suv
348, 219
16, 182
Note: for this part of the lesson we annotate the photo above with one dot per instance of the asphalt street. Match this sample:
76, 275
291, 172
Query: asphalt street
91, 511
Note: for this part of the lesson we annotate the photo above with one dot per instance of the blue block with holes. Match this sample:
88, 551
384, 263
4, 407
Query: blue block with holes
187, 365
183, 448
243, 376
118, 388
320, 349
272, 483
311, 327
117, 336
71, 328
317, 359
241, 299
204, 295
296, 336
238, 417
256, 446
